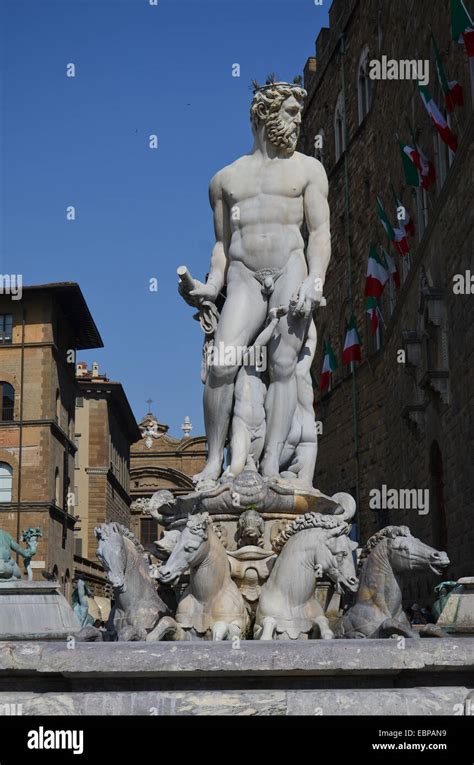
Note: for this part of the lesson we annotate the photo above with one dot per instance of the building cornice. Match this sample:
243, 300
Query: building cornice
55, 428
36, 507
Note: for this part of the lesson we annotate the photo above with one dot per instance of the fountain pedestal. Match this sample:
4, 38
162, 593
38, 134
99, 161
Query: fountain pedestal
35, 611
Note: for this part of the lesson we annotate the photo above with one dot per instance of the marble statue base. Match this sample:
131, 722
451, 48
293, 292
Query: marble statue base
458, 614
229, 498
35, 611
317, 677
249, 513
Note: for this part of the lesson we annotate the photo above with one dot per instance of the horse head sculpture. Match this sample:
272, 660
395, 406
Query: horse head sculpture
211, 606
138, 606
311, 547
189, 551
388, 554
112, 553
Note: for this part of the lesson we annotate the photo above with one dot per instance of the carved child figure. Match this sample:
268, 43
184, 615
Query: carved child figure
248, 422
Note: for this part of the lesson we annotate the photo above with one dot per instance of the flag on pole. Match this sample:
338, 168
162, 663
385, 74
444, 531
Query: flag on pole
419, 171
403, 216
377, 274
352, 343
385, 221
392, 269
410, 165
329, 365
453, 92
462, 26
426, 169
372, 308
401, 242
437, 118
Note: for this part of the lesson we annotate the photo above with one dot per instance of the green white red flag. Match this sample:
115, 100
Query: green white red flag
396, 235
385, 221
329, 365
377, 274
462, 26
419, 170
352, 343
453, 92
392, 268
426, 168
404, 218
401, 242
372, 308
437, 118
410, 165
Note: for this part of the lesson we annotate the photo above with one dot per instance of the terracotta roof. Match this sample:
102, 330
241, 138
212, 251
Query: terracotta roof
73, 305
119, 396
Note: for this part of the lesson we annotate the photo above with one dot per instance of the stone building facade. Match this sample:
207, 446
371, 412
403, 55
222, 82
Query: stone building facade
105, 428
159, 461
403, 425
39, 336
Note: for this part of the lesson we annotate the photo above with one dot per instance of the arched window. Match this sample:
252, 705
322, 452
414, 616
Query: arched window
340, 127
71, 423
7, 401
58, 407
148, 532
439, 530
364, 85
431, 337
319, 140
6, 482
57, 488
6, 328
69, 498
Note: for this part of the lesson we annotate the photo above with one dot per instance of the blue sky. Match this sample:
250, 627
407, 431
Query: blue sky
140, 213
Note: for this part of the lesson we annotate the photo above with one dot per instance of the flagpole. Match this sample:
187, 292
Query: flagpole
438, 56
380, 315
349, 248
458, 127
416, 147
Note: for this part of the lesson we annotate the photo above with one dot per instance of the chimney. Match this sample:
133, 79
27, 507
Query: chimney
95, 369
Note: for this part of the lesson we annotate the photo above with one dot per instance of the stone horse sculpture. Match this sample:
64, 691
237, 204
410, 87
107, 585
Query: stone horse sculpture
377, 611
211, 607
138, 606
311, 547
